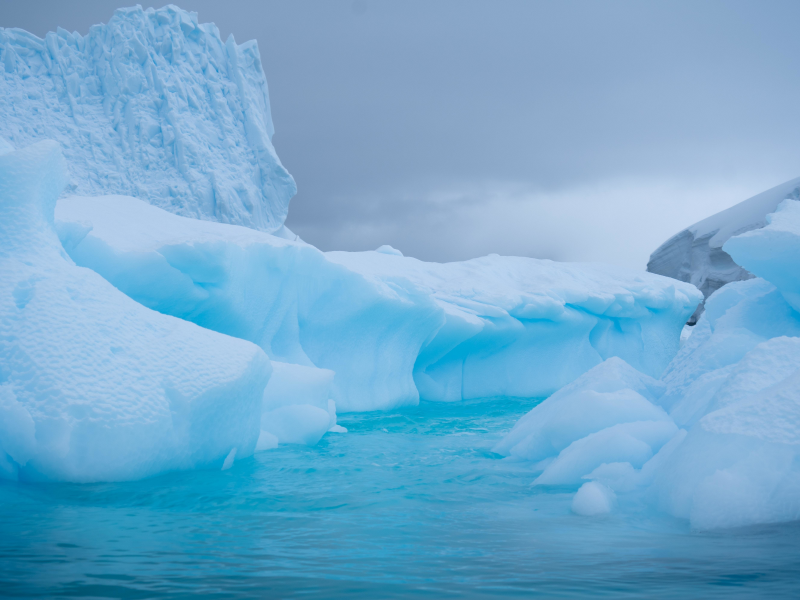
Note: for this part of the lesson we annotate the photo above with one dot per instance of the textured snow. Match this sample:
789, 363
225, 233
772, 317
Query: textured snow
696, 254
717, 439
390, 327
152, 105
94, 385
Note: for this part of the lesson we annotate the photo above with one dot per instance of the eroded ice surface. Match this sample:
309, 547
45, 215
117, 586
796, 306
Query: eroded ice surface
390, 327
717, 439
96, 386
153, 105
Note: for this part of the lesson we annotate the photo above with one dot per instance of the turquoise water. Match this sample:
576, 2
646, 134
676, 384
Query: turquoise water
406, 504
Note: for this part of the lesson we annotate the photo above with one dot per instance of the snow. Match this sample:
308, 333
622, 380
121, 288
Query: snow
717, 439
391, 328
696, 254
94, 385
152, 105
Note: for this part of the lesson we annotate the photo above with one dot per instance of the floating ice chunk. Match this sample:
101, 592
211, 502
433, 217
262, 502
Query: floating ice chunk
153, 105
392, 328
609, 394
95, 385
228, 462
297, 424
266, 441
593, 499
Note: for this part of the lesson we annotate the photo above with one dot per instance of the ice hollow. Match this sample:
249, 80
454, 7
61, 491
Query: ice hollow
391, 328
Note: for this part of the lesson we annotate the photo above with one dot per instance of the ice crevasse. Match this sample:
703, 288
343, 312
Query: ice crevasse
716, 439
391, 328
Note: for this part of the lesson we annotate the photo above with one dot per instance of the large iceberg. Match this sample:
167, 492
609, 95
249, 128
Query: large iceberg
390, 327
696, 254
717, 439
93, 385
152, 105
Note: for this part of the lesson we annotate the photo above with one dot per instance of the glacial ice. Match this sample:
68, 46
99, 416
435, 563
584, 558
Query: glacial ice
696, 254
717, 439
94, 385
152, 105
391, 328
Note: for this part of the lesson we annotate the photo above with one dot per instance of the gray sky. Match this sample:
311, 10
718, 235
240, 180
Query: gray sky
572, 130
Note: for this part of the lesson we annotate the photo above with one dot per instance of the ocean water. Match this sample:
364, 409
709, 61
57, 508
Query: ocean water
406, 504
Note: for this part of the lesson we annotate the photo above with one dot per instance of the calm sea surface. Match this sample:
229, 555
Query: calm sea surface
407, 504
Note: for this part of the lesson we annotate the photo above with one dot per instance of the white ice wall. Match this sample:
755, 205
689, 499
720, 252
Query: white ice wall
151, 105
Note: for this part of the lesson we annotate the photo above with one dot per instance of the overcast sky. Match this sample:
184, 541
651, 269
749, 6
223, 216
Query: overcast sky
572, 130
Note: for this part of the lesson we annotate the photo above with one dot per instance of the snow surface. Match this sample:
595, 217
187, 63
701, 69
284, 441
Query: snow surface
390, 327
94, 385
717, 439
152, 105
696, 254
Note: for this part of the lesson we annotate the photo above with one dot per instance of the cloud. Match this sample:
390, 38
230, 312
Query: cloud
614, 221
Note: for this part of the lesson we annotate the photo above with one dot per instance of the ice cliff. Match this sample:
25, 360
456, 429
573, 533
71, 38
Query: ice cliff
151, 105
717, 439
391, 328
695, 255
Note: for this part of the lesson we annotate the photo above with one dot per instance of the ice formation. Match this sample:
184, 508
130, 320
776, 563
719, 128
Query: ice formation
390, 327
717, 439
152, 105
696, 255
94, 385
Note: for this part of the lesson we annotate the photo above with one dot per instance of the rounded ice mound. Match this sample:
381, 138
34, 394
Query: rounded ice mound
94, 385
593, 499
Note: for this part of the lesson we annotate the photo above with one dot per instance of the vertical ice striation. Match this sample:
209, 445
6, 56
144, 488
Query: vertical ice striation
152, 105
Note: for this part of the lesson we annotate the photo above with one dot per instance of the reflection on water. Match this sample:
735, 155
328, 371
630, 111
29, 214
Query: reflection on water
411, 503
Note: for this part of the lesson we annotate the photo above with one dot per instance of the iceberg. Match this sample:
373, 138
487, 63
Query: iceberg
152, 105
391, 328
716, 440
93, 385
696, 254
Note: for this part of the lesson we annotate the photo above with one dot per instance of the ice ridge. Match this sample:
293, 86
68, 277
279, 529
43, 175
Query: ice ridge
152, 105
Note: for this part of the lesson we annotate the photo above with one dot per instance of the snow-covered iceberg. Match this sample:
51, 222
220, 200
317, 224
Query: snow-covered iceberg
696, 254
152, 105
390, 327
93, 385
717, 439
